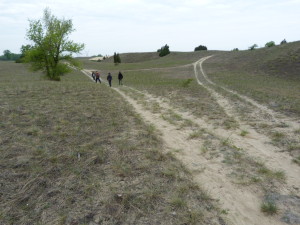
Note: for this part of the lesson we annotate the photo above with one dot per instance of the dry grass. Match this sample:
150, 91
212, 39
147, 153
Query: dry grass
73, 152
268, 75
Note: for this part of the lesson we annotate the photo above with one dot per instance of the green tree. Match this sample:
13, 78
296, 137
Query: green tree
23, 49
7, 54
164, 50
270, 44
51, 45
117, 58
283, 42
200, 47
253, 47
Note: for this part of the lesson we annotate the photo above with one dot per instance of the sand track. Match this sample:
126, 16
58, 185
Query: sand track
273, 116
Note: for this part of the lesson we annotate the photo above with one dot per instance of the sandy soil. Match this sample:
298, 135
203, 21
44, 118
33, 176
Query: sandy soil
242, 203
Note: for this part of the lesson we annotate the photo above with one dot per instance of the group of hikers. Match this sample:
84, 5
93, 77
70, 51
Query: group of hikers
96, 77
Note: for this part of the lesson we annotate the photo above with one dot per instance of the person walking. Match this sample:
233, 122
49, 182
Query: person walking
97, 75
93, 75
109, 78
120, 77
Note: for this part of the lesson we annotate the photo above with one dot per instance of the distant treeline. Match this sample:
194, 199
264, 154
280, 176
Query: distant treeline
9, 56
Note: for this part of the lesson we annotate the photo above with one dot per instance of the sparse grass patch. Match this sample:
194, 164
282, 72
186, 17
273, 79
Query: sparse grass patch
150, 135
178, 150
269, 208
293, 147
186, 83
277, 136
278, 175
194, 217
188, 123
263, 126
177, 202
172, 117
155, 107
196, 134
155, 154
230, 123
121, 168
204, 149
244, 133
297, 160
226, 142
122, 175
246, 170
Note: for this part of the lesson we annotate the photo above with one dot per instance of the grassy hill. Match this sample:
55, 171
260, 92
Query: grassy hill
73, 152
136, 57
132, 61
250, 73
269, 75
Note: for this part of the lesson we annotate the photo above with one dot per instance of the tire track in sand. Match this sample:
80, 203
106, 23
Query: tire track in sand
275, 117
243, 205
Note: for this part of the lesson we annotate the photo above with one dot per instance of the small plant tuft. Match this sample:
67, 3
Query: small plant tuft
244, 133
270, 44
297, 160
186, 83
269, 208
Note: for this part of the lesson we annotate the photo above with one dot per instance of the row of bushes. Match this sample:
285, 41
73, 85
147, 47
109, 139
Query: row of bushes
164, 50
267, 45
9, 56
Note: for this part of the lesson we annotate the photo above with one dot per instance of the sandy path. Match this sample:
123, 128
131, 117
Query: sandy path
255, 144
243, 204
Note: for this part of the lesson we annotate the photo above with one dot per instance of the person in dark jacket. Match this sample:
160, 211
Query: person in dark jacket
120, 77
109, 78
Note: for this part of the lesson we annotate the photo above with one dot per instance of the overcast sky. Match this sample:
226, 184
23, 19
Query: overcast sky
108, 26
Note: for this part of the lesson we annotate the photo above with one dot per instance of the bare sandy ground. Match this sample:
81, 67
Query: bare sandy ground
241, 202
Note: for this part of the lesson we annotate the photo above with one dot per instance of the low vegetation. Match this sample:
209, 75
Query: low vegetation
117, 58
200, 47
9, 56
270, 44
70, 156
74, 152
252, 47
269, 208
268, 75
